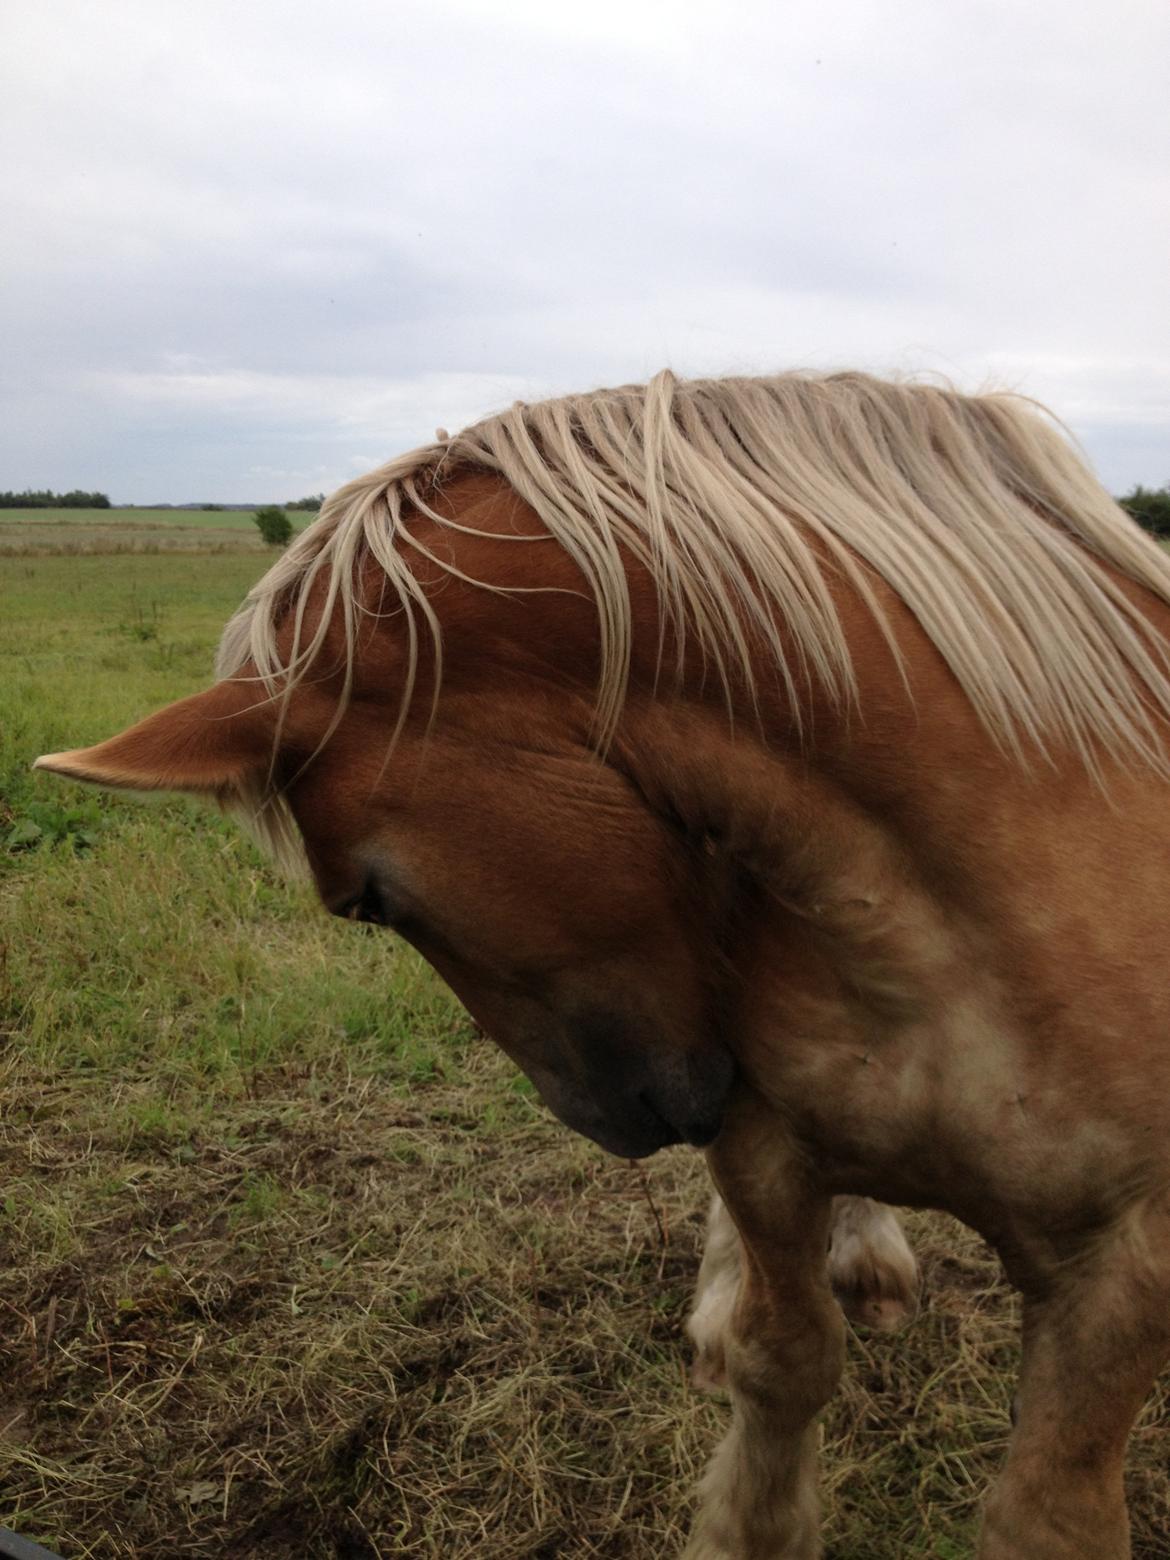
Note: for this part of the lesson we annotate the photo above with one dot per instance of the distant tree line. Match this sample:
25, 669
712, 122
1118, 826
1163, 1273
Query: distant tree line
1150, 507
309, 505
43, 499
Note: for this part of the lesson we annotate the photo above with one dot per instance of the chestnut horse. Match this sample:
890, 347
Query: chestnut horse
777, 766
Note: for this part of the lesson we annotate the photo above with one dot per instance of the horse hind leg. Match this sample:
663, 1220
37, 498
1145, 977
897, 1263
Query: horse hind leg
871, 1267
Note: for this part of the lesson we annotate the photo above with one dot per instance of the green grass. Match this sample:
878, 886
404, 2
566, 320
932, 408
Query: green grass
87, 645
197, 519
294, 1264
74, 531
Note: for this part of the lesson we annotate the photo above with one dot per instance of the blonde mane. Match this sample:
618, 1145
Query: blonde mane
739, 496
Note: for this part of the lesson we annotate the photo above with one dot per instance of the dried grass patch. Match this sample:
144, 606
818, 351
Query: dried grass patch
350, 1322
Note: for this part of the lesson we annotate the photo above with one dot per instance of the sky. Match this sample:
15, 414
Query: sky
251, 249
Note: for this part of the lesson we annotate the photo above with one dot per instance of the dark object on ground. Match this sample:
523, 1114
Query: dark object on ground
13, 1547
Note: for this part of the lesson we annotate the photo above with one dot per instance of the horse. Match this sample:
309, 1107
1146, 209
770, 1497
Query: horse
776, 766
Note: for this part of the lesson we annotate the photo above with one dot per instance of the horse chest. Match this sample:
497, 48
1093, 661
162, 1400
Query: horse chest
948, 1110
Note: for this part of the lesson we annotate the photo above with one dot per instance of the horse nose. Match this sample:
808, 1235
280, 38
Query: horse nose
693, 1105
701, 1130
697, 1130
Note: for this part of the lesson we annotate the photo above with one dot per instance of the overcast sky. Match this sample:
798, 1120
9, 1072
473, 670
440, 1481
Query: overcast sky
250, 249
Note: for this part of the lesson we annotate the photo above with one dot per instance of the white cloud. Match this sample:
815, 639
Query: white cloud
238, 233
353, 406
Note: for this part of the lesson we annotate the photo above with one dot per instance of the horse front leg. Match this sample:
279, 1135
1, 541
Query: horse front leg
1096, 1334
784, 1349
871, 1269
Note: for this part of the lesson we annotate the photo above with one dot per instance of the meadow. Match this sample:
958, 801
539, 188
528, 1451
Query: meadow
292, 1263
104, 531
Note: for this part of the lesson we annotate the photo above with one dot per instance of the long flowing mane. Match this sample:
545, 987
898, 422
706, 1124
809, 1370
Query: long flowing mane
740, 496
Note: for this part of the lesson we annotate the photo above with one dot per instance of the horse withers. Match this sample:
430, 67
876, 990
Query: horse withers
806, 739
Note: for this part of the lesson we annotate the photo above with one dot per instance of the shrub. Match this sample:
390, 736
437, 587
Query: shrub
274, 526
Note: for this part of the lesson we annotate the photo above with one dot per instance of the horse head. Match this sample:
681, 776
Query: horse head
573, 921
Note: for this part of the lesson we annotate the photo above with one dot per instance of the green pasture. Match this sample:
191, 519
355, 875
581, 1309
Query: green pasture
133, 515
293, 1263
72, 531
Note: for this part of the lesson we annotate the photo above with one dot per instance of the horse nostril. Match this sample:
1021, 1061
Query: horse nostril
698, 1130
702, 1131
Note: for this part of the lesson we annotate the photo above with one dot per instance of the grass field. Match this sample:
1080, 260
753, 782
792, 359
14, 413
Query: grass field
293, 1265
35, 531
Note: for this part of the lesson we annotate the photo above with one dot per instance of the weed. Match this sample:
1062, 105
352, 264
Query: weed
144, 622
73, 825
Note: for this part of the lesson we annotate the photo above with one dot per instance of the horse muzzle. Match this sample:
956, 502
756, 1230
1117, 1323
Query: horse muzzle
633, 1098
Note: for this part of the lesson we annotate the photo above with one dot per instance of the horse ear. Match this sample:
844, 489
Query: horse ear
208, 742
